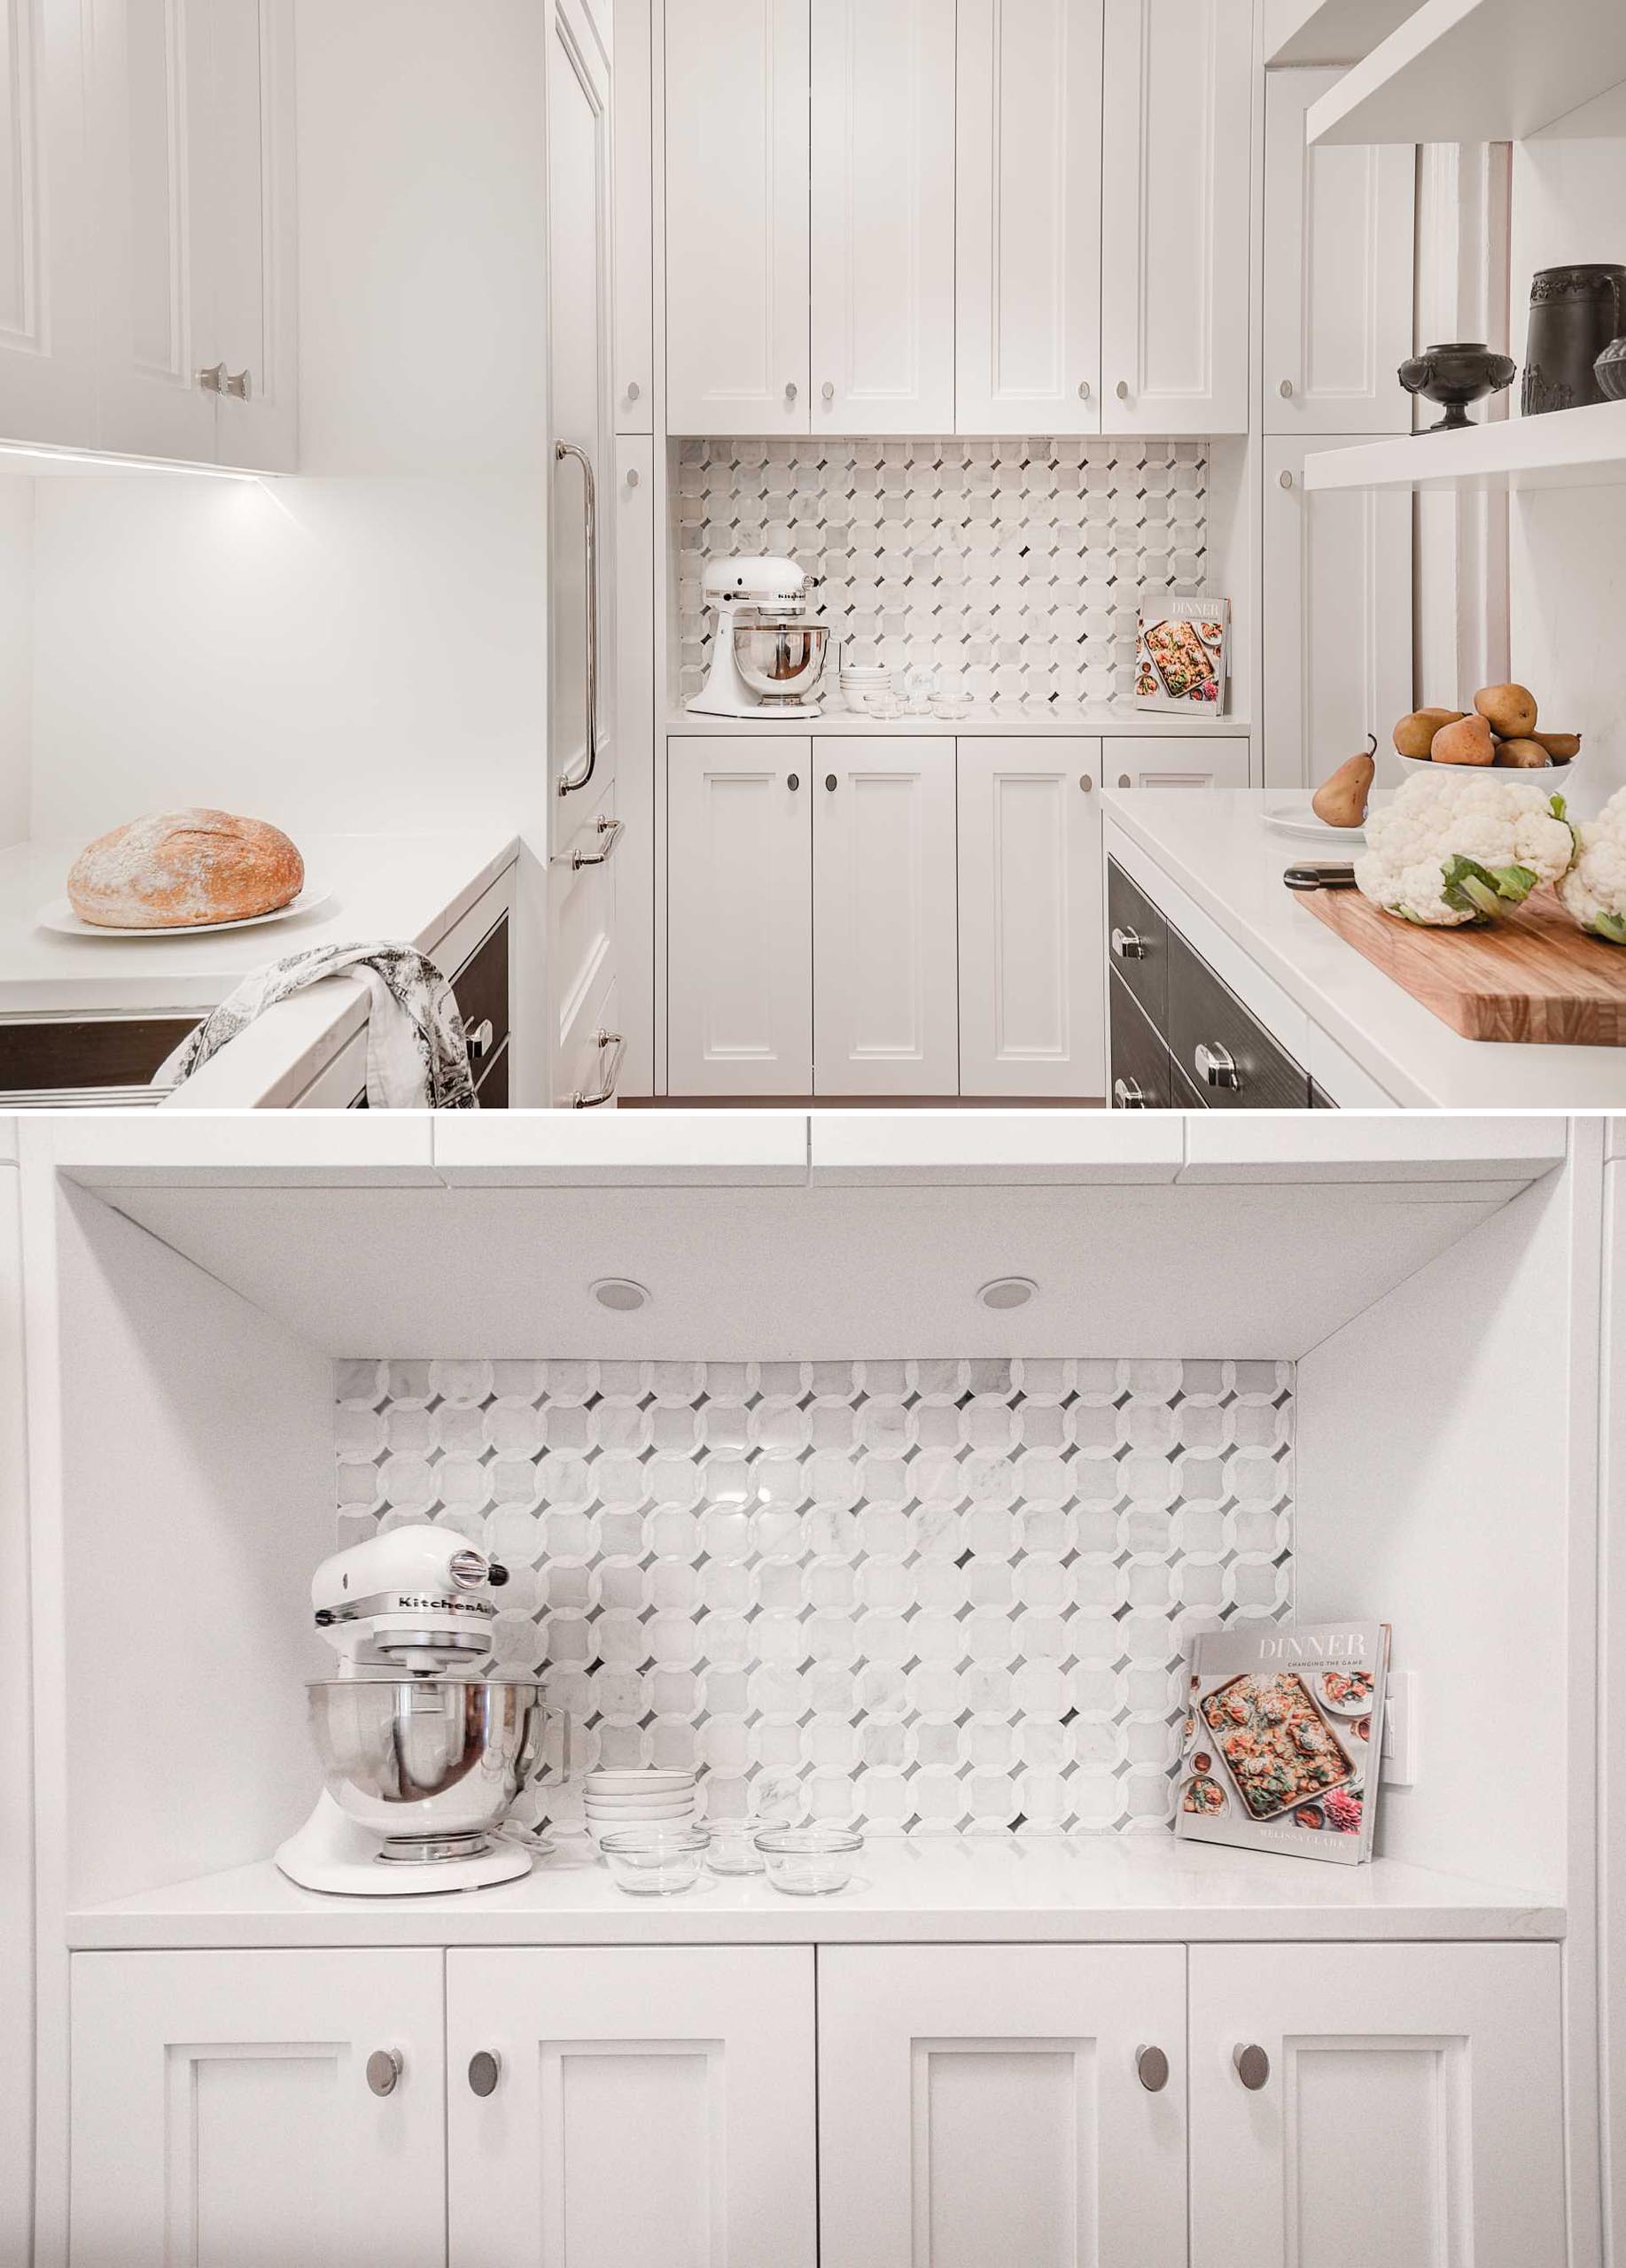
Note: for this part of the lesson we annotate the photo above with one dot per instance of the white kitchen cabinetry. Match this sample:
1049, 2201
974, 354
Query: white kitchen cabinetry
1409, 2106
631, 99
1179, 90
47, 281
736, 240
991, 2103
886, 987
223, 2108
1028, 217
740, 916
1337, 618
883, 216
649, 2104
1174, 763
1030, 918
1339, 259
191, 133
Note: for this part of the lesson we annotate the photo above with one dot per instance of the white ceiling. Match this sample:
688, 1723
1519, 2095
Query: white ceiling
811, 1273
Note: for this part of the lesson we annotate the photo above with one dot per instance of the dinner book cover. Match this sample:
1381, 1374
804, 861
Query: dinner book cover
1282, 1739
1183, 654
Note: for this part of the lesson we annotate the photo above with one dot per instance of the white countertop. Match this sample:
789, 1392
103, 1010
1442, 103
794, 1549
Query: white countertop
1010, 720
938, 1889
1215, 847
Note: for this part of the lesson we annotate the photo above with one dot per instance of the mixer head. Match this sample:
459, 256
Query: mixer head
415, 1599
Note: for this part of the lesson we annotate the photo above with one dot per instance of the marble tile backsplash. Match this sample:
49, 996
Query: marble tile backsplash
928, 1595
1013, 568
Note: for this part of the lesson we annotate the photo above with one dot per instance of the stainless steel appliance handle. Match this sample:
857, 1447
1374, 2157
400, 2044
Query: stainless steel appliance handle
614, 1042
589, 516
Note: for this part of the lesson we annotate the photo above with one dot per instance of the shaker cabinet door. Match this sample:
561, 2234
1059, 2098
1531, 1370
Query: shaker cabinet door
224, 2112
1338, 272
885, 983
883, 216
1179, 84
1030, 918
982, 2104
648, 2105
48, 284
1197, 762
739, 897
1028, 217
254, 224
737, 217
1407, 2106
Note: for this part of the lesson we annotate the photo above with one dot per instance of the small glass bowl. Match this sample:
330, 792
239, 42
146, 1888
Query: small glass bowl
809, 1862
951, 708
734, 1846
654, 1861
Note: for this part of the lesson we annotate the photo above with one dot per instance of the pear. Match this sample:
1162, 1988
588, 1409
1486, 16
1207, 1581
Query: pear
1563, 748
1414, 734
1509, 709
1522, 754
1341, 799
1470, 741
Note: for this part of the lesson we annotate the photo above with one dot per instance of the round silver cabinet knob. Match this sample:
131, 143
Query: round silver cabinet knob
632, 477
1285, 389
632, 389
794, 783
485, 2070
1152, 2069
1087, 780
1122, 389
830, 781
1215, 1066
1253, 2067
791, 392
383, 2070
827, 390
1286, 480
1124, 779
1083, 389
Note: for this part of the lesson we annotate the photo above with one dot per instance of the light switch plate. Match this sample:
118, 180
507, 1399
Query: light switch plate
1398, 1761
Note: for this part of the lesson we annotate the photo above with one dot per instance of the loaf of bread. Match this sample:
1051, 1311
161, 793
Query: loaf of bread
178, 869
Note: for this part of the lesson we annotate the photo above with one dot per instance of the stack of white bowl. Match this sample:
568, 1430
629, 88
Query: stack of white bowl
640, 1799
867, 685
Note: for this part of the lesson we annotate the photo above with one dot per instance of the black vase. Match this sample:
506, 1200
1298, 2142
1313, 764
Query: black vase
1574, 314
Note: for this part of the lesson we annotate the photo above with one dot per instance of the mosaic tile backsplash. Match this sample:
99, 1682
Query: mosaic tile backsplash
1013, 568
932, 1595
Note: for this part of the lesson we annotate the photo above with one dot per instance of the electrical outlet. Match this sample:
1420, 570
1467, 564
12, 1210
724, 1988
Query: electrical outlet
1398, 1761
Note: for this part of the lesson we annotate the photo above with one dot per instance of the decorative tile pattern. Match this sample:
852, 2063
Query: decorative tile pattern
1013, 568
928, 1596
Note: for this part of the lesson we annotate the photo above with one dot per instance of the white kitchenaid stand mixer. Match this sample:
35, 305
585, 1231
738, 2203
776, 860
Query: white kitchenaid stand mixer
400, 1610
766, 595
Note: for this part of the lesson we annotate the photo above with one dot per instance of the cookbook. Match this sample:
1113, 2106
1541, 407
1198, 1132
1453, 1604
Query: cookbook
1282, 1735
1183, 654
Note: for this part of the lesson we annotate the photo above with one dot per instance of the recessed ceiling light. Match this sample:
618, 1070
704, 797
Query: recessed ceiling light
621, 1294
1007, 1291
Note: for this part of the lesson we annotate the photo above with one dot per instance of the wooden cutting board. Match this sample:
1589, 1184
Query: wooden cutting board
1534, 977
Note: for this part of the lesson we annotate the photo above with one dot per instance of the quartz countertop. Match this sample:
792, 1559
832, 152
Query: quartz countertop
995, 720
938, 1889
1215, 847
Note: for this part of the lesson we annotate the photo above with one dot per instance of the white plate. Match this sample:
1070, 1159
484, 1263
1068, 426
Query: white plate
1362, 1708
1299, 818
60, 916
1501, 771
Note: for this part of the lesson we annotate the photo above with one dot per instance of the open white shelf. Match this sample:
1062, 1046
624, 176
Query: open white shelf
1329, 31
1568, 448
1480, 71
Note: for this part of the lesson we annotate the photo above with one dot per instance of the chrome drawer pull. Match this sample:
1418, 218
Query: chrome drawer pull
1216, 1066
610, 832
569, 786
1152, 2069
606, 1093
1253, 2067
478, 1038
1129, 1094
1128, 944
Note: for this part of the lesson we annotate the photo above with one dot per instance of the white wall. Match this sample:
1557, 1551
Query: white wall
1570, 545
16, 603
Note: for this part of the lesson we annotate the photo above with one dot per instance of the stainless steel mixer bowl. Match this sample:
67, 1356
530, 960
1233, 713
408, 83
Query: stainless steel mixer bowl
781, 661
420, 1760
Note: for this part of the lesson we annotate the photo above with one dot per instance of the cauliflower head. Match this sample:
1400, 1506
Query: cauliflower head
1460, 844
1594, 889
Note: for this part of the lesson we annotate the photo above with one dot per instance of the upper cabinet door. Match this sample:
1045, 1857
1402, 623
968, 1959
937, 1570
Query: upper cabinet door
652, 2105
883, 216
1338, 272
1174, 226
253, 224
47, 279
737, 217
632, 140
161, 371
223, 2110
983, 2103
1028, 202
1409, 2108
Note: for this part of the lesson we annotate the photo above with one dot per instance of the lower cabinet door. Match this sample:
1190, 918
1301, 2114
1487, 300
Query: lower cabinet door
642, 2105
1030, 918
1407, 2107
739, 895
985, 2104
1142, 1076
226, 2109
1199, 761
886, 981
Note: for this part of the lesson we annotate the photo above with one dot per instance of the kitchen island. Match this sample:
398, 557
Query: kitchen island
443, 894
1213, 870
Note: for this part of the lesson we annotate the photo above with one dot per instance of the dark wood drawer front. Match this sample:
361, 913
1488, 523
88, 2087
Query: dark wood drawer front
1319, 1099
1140, 1060
115, 1053
1132, 921
1183, 1095
481, 986
1204, 1012
492, 1091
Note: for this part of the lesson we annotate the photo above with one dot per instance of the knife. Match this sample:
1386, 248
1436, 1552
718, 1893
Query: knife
1328, 877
